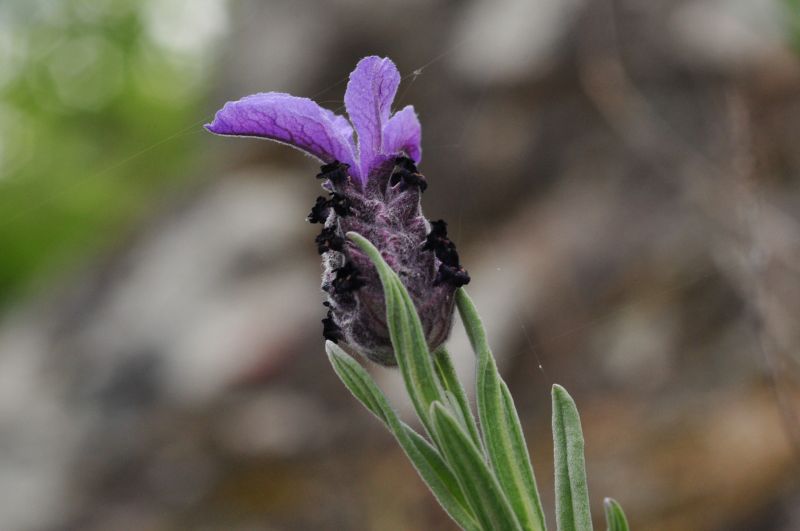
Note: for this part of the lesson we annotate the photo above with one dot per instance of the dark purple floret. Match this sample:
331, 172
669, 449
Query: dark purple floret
339, 203
335, 172
330, 330
438, 242
455, 276
346, 279
319, 212
405, 173
374, 189
328, 240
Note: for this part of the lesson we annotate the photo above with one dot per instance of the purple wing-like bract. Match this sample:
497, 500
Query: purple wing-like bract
303, 124
299, 122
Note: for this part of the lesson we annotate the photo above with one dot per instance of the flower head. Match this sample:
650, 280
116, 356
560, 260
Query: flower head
374, 189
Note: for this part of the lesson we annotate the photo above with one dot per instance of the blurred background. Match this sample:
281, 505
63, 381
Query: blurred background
622, 179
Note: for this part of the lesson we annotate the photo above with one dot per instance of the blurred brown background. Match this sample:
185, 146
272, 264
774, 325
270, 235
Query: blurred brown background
622, 177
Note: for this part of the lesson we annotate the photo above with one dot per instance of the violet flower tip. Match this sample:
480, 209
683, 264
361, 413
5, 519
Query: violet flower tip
216, 126
371, 58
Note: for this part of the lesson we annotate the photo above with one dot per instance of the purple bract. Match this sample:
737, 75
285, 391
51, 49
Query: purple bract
374, 189
303, 124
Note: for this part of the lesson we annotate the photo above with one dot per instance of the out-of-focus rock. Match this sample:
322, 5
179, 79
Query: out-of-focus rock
508, 41
169, 323
730, 35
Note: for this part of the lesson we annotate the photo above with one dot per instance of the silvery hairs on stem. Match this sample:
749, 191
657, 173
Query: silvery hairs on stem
373, 188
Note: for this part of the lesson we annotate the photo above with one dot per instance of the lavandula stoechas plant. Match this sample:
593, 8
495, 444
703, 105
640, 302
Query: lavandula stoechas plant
370, 175
392, 280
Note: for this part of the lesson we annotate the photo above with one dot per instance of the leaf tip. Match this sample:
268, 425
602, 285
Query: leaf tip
357, 238
437, 407
370, 250
559, 393
335, 353
331, 349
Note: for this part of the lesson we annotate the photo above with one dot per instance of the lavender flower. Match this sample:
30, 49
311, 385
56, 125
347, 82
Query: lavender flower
374, 189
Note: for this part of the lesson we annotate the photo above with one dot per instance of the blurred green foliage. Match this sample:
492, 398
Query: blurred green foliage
99, 112
793, 20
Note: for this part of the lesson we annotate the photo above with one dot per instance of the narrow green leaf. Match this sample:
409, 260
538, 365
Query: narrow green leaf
441, 469
615, 517
357, 380
429, 464
502, 431
479, 484
408, 338
572, 492
449, 380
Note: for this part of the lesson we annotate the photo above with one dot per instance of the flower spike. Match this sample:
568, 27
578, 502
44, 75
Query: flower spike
370, 174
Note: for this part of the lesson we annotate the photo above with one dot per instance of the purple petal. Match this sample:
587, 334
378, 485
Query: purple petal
403, 133
368, 99
298, 122
342, 125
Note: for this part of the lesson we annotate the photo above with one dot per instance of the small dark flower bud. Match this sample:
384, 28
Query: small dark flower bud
328, 240
339, 203
346, 279
406, 164
438, 242
405, 174
336, 172
455, 276
330, 330
319, 212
